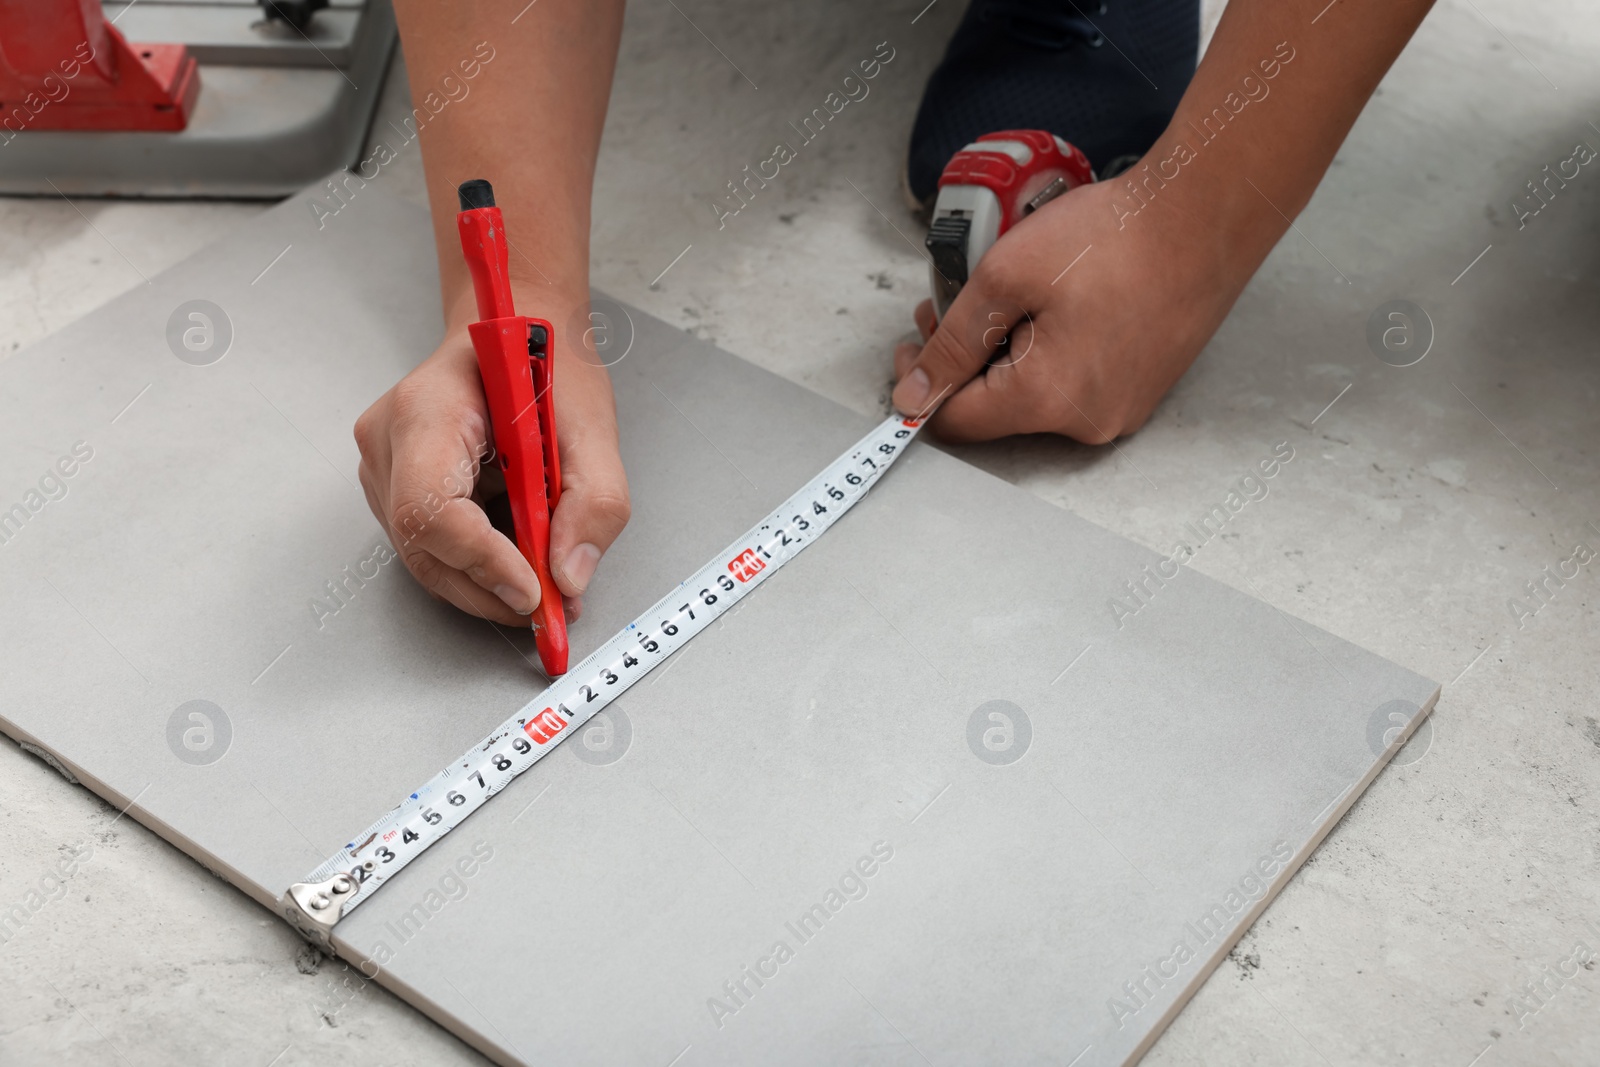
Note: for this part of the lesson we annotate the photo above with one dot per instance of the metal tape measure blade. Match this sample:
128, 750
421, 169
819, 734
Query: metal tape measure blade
352, 875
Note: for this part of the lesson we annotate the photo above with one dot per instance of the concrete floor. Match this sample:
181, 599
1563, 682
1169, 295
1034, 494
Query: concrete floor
1427, 497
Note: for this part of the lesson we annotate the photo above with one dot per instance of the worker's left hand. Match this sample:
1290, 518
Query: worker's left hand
1092, 350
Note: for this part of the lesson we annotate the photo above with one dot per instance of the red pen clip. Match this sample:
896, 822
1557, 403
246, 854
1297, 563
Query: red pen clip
515, 355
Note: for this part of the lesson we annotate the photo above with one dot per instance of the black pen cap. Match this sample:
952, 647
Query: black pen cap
475, 194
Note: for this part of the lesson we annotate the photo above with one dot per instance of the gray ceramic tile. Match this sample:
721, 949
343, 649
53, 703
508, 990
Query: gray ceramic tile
1177, 767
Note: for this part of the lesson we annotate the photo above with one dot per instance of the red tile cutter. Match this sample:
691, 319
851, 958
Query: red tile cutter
515, 360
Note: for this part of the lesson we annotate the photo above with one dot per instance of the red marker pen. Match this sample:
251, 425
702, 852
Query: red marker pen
515, 356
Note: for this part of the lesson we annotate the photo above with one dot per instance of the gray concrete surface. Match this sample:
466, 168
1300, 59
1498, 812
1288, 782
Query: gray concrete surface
1428, 497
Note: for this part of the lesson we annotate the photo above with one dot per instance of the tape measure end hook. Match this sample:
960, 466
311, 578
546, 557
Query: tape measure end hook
313, 908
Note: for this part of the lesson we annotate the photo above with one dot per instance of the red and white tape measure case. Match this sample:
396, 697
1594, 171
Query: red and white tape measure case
988, 187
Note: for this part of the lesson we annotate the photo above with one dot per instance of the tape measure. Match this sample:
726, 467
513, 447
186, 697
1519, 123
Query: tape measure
988, 187
355, 873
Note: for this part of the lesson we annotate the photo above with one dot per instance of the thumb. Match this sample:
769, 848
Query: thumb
974, 326
594, 505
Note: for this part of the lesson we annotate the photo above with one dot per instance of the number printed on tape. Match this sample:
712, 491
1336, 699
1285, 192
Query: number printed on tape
521, 741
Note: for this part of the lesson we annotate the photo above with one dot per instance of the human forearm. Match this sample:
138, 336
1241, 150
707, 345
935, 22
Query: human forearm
1271, 102
532, 127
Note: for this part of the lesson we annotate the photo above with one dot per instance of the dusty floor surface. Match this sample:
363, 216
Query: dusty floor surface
1423, 501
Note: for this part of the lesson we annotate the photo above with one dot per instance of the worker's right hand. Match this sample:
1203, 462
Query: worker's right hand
423, 446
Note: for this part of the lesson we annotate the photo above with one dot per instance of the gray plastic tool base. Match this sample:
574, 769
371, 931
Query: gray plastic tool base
266, 129
237, 33
809, 851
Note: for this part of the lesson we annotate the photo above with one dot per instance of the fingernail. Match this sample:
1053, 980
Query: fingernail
574, 608
912, 392
520, 602
579, 565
